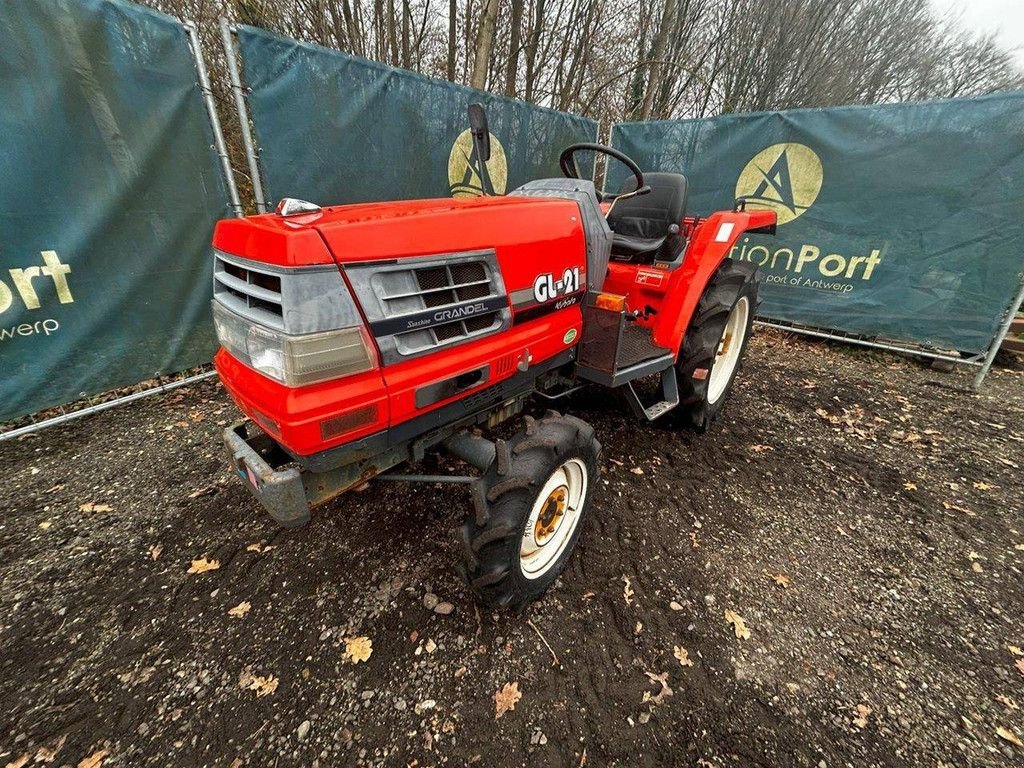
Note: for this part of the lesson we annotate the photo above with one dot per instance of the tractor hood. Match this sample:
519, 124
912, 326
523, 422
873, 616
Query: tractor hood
399, 229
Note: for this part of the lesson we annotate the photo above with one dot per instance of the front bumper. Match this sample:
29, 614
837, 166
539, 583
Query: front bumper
281, 491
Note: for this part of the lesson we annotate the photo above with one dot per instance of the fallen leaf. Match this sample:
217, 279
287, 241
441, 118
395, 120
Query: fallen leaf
95, 760
1019, 547
202, 565
976, 567
779, 578
1019, 664
91, 506
761, 448
258, 547
240, 610
358, 649
505, 699
1008, 735
207, 491
21, 761
155, 550
45, 525
682, 656
983, 486
739, 626
638, 628
956, 508
861, 720
636, 471
1007, 702
46, 754
663, 693
693, 540
136, 676
55, 488
909, 486
627, 590
972, 555
264, 686
1015, 650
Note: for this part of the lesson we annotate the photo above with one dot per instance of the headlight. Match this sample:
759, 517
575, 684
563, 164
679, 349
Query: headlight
294, 360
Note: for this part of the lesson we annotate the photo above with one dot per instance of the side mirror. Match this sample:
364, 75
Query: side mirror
481, 135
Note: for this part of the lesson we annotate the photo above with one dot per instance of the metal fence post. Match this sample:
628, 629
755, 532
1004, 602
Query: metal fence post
1000, 336
235, 79
219, 145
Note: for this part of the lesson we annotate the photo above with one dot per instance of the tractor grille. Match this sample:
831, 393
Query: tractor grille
409, 291
249, 292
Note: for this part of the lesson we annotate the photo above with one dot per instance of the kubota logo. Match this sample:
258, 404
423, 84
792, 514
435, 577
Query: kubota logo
784, 177
463, 179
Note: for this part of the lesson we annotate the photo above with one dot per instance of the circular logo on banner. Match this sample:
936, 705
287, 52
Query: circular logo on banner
784, 177
463, 179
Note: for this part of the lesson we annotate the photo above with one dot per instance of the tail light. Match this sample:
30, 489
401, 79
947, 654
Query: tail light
295, 361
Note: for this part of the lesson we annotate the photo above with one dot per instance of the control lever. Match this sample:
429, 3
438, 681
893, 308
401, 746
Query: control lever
636, 314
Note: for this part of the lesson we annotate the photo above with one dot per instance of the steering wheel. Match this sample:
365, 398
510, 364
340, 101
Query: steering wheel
567, 162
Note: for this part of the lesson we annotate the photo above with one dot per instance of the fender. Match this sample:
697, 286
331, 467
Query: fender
714, 237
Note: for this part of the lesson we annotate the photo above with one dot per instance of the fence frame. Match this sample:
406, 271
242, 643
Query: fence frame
219, 144
228, 32
219, 147
982, 359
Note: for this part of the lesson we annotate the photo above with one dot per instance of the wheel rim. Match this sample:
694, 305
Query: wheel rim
553, 519
728, 352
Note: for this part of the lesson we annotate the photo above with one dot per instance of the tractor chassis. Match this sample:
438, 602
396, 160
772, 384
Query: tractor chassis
288, 486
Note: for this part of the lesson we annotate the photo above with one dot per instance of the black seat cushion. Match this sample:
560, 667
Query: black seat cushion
641, 224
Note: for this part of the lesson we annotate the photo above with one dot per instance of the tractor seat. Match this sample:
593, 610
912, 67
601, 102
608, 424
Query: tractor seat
642, 225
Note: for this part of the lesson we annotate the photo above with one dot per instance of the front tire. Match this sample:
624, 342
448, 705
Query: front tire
715, 343
529, 510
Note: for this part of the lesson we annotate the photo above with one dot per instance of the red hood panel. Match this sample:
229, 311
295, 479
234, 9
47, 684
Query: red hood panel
396, 229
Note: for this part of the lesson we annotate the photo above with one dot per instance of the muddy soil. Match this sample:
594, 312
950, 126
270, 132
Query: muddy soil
861, 515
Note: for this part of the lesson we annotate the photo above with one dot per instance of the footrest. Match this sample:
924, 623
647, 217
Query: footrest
669, 393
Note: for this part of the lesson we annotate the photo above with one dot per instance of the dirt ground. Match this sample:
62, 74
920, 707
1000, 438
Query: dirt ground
860, 513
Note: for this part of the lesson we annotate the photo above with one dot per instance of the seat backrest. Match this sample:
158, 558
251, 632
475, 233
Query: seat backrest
652, 214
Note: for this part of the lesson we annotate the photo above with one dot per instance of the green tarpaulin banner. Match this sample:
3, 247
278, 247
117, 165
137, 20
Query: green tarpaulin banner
108, 198
895, 221
333, 128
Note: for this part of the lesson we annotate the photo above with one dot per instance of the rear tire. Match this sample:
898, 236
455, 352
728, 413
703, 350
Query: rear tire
715, 343
529, 510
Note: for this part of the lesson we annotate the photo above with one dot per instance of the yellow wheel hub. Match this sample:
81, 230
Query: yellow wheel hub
551, 515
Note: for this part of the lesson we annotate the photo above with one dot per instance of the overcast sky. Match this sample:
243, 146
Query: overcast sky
1005, 17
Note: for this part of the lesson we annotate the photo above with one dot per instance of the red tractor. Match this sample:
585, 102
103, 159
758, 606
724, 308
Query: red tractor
359, 337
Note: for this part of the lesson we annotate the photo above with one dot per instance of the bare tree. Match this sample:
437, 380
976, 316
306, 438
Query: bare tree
484, 43
618, 60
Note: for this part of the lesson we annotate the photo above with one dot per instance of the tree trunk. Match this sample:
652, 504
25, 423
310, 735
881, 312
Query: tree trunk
657, 56
531, 50
406, 35
484, 44
452, 31
512, 67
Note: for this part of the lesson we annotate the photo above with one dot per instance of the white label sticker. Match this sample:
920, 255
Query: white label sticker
724, 232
